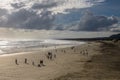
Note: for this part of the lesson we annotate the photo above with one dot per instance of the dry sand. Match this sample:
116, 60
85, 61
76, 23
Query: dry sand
71, 65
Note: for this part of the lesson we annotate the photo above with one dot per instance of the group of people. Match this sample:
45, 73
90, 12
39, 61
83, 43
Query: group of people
16, 61
84, 52
26, 62
49, 56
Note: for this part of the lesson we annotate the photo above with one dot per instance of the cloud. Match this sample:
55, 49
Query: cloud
91, 22
28, 19
64, 5
55, 6
3, 12
41, 14
43, 5
17, 5
115, 27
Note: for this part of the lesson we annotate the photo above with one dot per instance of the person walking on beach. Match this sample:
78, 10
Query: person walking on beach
41, 63
16, 62
54, 55
83, 52
33, 63
72, 47
80, 52
56, 50
26, 61
49, 55
86, 52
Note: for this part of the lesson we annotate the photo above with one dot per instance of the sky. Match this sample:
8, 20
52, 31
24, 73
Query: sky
66, 18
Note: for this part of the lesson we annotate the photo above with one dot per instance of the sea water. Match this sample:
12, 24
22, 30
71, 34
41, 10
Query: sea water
14, 46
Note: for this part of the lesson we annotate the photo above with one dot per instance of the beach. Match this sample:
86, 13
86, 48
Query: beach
70, 63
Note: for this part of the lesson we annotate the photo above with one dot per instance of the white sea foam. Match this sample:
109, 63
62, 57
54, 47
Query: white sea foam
7, 47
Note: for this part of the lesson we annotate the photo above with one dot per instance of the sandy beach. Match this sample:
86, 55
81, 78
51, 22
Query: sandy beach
69, 64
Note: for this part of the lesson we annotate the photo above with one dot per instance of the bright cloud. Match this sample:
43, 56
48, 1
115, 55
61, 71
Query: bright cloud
42, 14
71, 4
60, 7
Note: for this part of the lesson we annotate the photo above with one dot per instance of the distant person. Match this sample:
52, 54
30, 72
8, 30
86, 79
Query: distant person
26, 61
86, 52
64, 51
83, 52
49, 55
56, 50
72, 47
33, 63
80, 52
16, 62
41, 63
54, 55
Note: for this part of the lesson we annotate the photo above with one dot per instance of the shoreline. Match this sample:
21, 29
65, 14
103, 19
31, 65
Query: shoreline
70, 61
39, 49
36, 50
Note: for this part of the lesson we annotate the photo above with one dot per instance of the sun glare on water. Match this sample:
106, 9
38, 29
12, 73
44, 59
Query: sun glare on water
3, 43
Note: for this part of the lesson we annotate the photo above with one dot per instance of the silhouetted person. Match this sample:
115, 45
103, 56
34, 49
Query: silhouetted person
33, 63
16, 62
49, 56
83, 52
55, 50
64, 51
80, 52
54, 55
86, 53
72, 47
26, 61
41, 63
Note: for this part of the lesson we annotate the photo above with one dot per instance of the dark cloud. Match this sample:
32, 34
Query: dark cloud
45, 21
33, 15
43, 6
17, 19
91, 22
28, 19
3, 12
17, 5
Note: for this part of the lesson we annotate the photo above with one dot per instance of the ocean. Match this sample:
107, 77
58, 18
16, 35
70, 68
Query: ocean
15, 46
